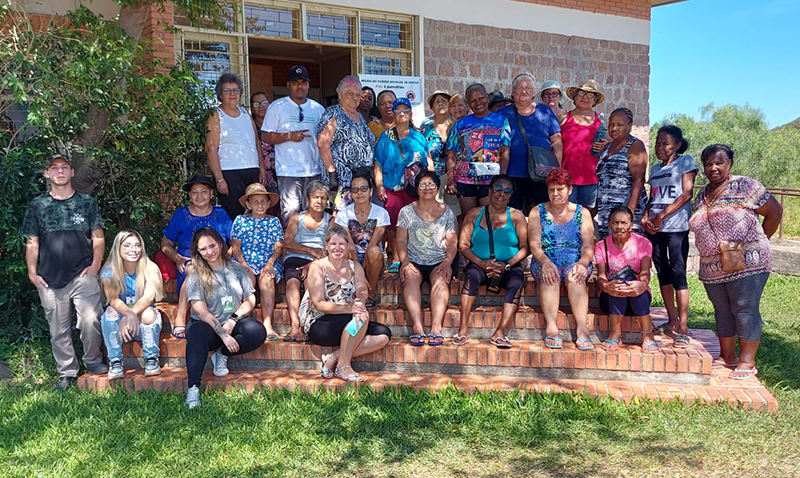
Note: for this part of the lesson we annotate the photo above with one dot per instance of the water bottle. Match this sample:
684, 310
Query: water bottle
602, 132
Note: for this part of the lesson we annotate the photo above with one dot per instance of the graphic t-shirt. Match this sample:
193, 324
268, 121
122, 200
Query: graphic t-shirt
292, 158
232, 282
477, 140
64, 228
362, 233
426, 239
540, 125
388, 157
666, 184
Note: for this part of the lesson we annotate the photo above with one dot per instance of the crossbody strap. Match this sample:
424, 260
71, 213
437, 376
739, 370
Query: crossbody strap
399, 146
522, 128
489, 230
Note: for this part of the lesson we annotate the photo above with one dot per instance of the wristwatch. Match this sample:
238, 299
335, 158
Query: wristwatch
508, 266
234, 317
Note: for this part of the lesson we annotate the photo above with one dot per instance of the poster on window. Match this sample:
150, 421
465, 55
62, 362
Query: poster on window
406, 86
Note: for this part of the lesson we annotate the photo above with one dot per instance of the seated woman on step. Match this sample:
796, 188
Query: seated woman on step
623, 275
131, 283
561, 237
495, 257
334, 312
222, 297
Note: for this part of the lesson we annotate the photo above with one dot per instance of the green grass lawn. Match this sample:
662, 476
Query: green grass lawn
403, 433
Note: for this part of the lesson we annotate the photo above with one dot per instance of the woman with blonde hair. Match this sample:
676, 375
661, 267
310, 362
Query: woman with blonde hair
131, 283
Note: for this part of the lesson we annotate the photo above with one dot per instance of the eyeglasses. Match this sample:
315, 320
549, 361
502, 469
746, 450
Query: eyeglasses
261, 103
361, 189
402, 112
424, 186
500, 189
529, 89
551, 94
587, 94
301, 117
131, 247
232, 91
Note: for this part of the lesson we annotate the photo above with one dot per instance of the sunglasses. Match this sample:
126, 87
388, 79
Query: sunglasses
500, 189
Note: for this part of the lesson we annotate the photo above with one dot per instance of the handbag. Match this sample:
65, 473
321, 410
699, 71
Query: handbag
540, 160
731, 253
411, 171
626, 274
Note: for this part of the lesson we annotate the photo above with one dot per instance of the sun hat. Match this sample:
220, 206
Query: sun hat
496, 97
258, 189
550, 84
401, 101
590, 86
199, 179
438, 92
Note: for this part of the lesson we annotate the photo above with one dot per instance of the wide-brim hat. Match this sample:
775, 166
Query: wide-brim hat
498, 97
258, 189
438, 92
550, 84
590, 86
199, 179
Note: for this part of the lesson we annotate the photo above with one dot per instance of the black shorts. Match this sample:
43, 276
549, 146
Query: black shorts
472, 190
291, 268
426, 270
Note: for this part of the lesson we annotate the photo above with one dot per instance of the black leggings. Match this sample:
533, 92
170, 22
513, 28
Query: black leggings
512, 280
200, 339
327, 330
670, 250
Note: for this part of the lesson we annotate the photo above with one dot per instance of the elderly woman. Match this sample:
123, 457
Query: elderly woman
336, 314
666, 220
561, 238
477, 149
367, 223
531, 124
222, 298
257, 243
620, 173
735, 255
578, 132
458, 107
259, 103
436, 130
344, 138
495, 256
385, 100
233, 155
367, 107
131, 283
623, 275
177, 240
426, 246
553, 96
304, 242
400, 154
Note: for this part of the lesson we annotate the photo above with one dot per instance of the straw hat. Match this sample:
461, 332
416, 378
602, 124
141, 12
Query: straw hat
438, 92
258, 189
589, 86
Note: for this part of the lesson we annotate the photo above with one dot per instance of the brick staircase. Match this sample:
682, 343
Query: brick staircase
687, 374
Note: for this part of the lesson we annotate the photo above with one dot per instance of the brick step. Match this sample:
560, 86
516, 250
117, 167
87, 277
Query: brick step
525, 358
747, 395
529, 323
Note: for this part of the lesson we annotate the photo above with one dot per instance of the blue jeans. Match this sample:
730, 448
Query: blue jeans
584, 194
148, 335
737, 306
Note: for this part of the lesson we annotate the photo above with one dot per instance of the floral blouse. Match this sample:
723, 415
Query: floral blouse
352, 143
259, 237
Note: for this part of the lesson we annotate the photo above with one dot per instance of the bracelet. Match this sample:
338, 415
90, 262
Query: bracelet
220, 180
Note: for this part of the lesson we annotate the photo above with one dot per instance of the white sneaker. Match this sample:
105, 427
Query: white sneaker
220, 363
115, 370
193, 397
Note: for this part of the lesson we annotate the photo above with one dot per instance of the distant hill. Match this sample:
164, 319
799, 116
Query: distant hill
794, 124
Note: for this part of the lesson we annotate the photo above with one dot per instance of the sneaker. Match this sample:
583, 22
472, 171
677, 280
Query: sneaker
115, 370
193, 397
220, 363
97, 367
151, 367
65, 383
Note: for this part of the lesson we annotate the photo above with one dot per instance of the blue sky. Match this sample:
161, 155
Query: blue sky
726, 52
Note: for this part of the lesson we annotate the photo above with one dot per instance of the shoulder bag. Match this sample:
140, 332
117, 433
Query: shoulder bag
731, 253
540, 160
410, 171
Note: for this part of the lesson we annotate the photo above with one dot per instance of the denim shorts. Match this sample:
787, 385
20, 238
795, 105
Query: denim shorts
584, 194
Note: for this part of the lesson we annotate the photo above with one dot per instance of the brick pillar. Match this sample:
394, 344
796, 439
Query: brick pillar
157, 31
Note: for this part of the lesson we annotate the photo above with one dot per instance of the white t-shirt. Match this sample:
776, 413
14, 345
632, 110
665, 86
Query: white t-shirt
295, 159
362, 233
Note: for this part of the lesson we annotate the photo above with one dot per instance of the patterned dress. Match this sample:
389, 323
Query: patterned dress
561, 243
614, 189
259, 237
268, 158
436, 144
352, 143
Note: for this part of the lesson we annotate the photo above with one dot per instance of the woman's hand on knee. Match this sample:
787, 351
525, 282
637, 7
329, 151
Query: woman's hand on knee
579, 273
407, 271
550, 274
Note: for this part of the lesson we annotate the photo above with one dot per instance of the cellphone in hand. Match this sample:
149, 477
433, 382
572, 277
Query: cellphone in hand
353, 326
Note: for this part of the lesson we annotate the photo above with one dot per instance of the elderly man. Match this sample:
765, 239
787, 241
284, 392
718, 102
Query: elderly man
64, 252
291, 125
538, 122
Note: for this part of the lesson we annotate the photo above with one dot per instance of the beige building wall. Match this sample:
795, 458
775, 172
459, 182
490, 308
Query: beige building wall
105, 8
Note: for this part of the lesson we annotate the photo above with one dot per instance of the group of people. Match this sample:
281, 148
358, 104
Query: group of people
358, 182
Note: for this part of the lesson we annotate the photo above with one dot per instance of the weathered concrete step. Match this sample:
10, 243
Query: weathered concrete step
748, 394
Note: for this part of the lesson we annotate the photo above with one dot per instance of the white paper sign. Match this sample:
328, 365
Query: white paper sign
403, 86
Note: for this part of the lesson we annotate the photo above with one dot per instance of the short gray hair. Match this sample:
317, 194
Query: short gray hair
315, 186
474, 87
347, 81
523, 76
227, 77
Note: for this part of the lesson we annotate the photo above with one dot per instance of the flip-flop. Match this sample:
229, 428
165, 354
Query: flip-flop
558, 342
394, 268
417, 340
584, 347
749, 373
501, 343
459, 340
681, 341
271, 337
435, 339
610, 345
650, 347
719, 361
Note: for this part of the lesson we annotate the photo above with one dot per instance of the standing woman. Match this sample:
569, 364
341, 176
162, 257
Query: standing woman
666, 221
553, 96
436, 129
231, 147
132, 283
259, 103
386, 99
367, 107
222, 298
458, 107
735, 255
620, 173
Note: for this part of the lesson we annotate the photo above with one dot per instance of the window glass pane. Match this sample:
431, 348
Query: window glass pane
383, 34
208, 59
379, 65
329, 28
270, 21
227, 19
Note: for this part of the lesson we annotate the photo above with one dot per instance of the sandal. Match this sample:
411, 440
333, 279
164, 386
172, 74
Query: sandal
747, 373
681, 341
435, 339
179, 331
553, 342
326, 373
272, 336
610, 345
650, 347
353, 377
501, 342
370, 304
394, 268
662, 329
460, 340
587, 344
417, 340
719, 361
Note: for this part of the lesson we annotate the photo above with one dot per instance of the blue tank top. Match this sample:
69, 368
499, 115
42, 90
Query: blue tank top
506, 242
307, 237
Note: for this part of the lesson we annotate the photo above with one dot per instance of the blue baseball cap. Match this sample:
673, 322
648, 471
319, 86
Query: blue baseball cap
401, 101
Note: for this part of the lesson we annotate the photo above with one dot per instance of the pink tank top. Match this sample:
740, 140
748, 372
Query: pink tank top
578, 159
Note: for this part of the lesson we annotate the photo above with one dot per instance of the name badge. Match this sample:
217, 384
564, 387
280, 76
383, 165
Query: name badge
227, 304
129, 301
